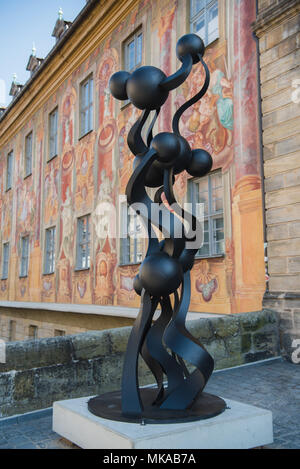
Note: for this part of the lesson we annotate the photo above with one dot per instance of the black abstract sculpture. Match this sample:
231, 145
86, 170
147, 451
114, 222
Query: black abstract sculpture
165, 345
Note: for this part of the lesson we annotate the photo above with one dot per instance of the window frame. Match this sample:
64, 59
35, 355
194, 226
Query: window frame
134, 36
49, 267
5, 262
9, 170
87, 243
12, 328
35, 329
211, 216
89, 108
193, 17
55, 135
125, 255
24, 258
26, 156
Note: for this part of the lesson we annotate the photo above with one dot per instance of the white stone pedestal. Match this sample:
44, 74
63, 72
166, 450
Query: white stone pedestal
240, 427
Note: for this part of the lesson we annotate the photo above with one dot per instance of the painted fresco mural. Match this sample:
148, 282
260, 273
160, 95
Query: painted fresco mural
92, 171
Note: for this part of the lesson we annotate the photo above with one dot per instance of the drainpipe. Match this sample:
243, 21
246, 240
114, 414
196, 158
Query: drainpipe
261, 150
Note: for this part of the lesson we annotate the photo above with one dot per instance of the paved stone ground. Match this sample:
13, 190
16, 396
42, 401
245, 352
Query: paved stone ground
273, 385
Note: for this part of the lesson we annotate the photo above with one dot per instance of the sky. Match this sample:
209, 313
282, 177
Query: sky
23, 22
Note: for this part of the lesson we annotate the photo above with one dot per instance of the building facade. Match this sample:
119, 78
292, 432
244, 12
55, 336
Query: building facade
278, 30
64, 156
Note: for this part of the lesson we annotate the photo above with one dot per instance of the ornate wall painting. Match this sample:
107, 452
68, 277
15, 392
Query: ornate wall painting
66, 235
246, 193
125, 120
65, 257
209, 291
84, 193
104, 226
102, 219
209, 124
51, 191
82, 291
165, 33
67, 117
48, 289
125, 294
38, 176
6, 217
104, 274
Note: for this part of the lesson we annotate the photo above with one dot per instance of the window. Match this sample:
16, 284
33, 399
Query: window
132, 239
204, 19
28, 154
83, 243
209, 191
24, 256
12, 330
58, 332
53, 119
86, 106
133, 51
5, 260
50, 251
9, 170
32, 332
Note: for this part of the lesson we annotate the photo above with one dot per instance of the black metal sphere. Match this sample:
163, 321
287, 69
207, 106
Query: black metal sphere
184, 156
167, 146
137, 286
160, 274
186, 259
143, 88
190, 44
200, 164
117, 85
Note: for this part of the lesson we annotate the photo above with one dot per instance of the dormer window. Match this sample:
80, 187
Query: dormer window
34, 62
60, 26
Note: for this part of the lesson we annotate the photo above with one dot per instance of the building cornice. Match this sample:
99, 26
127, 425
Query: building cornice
90, 28
271, 17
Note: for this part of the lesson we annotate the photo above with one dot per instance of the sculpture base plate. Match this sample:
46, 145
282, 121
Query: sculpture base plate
241, 426
109, 406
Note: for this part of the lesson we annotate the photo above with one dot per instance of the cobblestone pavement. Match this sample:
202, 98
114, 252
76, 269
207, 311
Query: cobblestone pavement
273, 385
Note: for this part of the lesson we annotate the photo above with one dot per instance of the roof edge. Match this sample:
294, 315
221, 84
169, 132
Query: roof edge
68, 33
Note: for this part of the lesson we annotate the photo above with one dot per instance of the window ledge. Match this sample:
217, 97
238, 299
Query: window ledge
84, 135
212, 43
124, 104
27, 175
48, 273
52, 158
23, 276
79, 269
129, 264
213, 256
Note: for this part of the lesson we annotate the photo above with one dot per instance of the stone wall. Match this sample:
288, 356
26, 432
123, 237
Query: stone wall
278, 30
37, 373
288, 305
